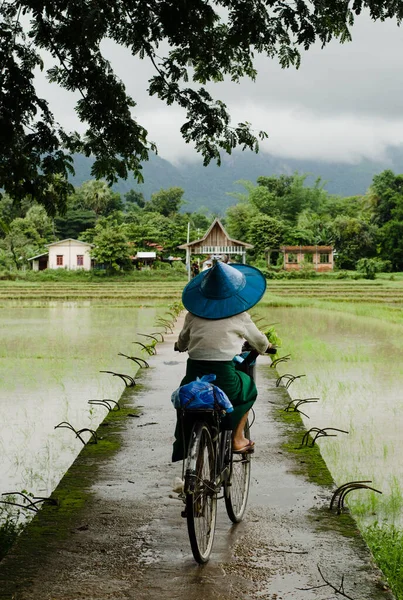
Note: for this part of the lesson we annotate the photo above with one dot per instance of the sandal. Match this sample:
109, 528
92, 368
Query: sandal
248, 448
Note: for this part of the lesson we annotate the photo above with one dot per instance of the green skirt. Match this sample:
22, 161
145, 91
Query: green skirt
239, 387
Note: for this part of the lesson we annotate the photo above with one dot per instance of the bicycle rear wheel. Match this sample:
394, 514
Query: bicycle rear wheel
236, 489
201, 496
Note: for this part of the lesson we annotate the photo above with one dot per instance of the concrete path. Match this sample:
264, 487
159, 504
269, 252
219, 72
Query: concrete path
120, 536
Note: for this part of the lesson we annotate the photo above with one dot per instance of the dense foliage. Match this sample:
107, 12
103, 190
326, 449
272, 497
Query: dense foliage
118, 227
200, 41
366, 231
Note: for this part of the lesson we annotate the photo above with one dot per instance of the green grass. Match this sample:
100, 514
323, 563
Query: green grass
117, 293
169, 274
371, 308
386, 544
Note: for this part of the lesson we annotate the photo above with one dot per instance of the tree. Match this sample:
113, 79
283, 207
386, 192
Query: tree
166, 202
391, 243
74, 222
111, 246
134, 198
199, 221
385, 193
26, 236
265, 232
290, 196
353, 239
265, 201
10, 210
155, 228
85, 206
238, 219
311, 228
206, 41
98, 196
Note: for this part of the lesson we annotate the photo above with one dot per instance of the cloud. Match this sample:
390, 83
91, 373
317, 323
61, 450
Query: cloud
344, 138
293, 133
344, 103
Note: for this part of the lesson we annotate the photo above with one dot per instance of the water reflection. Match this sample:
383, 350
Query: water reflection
50, 360
355, 367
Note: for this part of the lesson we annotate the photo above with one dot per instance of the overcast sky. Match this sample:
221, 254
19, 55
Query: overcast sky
344, 103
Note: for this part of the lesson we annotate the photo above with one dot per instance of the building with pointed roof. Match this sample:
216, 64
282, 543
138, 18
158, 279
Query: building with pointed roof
216, 241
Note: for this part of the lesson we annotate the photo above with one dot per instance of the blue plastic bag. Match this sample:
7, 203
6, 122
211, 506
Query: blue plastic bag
201, 394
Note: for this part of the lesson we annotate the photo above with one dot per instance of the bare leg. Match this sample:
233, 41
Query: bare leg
238, 438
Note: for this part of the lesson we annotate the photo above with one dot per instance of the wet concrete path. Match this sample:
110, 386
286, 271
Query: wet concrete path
129, 542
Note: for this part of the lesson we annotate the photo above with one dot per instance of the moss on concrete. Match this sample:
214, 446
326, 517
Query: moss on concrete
308, 459
327, 520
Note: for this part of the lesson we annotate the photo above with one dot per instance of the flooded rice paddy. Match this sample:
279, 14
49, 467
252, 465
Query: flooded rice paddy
354, 366
50, 360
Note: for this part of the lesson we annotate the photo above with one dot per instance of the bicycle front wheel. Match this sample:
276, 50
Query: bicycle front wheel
236, 489
201, 496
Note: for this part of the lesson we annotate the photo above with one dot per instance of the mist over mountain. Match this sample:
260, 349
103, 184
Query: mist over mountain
209, 186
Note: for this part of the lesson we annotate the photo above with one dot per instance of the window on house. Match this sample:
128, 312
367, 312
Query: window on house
308, 257
324, 258
80, 260
292, 258
59, 259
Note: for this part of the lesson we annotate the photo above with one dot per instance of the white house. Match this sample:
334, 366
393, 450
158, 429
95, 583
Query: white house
66, 254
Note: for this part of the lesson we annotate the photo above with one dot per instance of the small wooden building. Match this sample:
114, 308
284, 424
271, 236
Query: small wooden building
320, 257
144, 259
216, 241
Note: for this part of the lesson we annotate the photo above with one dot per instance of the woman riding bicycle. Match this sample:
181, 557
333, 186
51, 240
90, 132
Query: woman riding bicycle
216, 324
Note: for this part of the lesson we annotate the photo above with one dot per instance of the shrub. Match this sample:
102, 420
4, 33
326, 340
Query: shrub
260, 264
342, 275
178, 265
162, 266
370, 266
8, 275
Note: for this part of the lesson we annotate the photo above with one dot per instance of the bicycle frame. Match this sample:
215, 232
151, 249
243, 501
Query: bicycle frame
208, 468
222, 446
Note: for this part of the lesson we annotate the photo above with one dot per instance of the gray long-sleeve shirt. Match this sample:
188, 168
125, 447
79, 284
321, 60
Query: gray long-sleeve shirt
219, 339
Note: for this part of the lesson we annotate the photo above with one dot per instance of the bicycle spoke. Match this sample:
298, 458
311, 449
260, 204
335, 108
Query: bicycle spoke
202, 501
237, 489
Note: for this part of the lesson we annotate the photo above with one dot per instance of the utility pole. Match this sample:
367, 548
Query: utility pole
188, 253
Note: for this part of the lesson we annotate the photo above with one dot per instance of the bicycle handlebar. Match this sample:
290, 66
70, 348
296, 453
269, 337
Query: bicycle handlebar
253, 353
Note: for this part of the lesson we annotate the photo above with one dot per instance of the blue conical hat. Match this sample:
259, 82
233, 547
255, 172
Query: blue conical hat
224, 291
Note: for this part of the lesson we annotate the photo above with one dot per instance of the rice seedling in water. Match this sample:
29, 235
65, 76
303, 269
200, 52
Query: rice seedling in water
10, 526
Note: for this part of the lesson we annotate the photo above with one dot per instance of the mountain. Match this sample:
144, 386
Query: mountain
209, 186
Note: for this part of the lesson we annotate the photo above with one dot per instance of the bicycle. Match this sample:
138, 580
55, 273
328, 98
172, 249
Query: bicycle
210, 466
